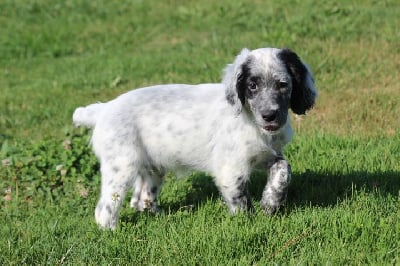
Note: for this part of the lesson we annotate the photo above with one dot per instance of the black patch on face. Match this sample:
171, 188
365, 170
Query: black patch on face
242, 82
253, 84
302, 98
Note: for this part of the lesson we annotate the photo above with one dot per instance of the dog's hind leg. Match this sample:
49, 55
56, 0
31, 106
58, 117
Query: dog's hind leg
137, 191
145, 192
117, 175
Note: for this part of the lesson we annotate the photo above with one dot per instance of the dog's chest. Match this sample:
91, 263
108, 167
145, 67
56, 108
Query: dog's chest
260, 154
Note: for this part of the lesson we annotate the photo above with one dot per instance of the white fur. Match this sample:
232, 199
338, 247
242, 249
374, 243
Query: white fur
144, 133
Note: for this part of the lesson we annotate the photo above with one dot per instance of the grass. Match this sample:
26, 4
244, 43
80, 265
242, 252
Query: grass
343, 205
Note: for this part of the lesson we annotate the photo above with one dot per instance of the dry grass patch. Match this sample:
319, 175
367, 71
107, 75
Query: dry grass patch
362, 112
358, 90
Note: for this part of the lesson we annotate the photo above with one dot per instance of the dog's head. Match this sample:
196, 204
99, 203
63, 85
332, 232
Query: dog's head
267, 82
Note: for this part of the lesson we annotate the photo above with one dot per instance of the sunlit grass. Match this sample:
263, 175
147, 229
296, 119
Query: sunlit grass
343, 205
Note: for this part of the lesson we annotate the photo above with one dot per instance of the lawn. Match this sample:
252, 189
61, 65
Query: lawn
344, 201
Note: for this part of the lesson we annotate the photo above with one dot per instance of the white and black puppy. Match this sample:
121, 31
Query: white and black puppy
224, 129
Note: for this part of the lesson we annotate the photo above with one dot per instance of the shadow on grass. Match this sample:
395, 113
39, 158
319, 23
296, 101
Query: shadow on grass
307, 189
310, 188
327, 189
187, 193
198, 189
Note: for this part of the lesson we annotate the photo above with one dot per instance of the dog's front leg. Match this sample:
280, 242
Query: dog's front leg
236, 195
275, 191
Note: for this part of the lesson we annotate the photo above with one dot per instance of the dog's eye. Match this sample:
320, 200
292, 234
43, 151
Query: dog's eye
252, 86
283, 84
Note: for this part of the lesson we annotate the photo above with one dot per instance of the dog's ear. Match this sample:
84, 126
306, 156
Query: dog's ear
234, 78
303, 88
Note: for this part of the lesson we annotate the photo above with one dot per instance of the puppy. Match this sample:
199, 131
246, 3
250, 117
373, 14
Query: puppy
223, 129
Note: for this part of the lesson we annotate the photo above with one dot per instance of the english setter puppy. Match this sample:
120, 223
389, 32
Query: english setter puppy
223, 129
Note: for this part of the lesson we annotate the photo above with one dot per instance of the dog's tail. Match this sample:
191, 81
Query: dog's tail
88, 115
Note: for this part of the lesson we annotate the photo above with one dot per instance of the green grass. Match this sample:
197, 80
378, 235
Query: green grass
344, 200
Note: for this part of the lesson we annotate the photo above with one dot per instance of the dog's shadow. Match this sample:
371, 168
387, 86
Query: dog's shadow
309, 188
306, 189
329, 189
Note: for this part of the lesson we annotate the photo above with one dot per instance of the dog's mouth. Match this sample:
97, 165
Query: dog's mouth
271, 127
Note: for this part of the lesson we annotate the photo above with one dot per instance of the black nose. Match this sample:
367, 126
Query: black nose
270, 116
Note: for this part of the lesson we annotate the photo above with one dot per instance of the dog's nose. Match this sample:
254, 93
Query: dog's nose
270, 116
